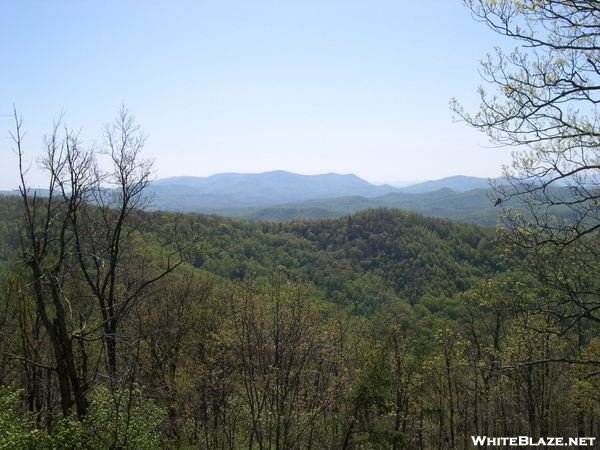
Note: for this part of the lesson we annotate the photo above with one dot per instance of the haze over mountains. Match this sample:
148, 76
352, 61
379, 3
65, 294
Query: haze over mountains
236, 189
281, 195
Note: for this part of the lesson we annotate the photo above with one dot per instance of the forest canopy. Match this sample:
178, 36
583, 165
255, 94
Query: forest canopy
382, 329
126, 328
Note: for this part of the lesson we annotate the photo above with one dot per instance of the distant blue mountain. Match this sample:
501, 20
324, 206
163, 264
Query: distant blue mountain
241, 189
231, 190
458, 183
281, 195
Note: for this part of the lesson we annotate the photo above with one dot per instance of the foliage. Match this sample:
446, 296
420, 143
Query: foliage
122, 420
546, 106
393, 255
16, 431
382, 329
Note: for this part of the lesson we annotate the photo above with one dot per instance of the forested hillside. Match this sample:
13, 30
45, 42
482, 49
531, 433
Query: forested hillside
402, 255
378, 330
473, 206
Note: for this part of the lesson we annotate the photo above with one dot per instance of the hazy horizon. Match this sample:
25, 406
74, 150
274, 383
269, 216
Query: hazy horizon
309, 87
374, 182
396, 183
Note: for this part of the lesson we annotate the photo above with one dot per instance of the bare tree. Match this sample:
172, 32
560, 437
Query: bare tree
78, 240
47, 246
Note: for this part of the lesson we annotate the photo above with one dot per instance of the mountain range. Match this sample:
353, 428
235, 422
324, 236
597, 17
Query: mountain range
281, 195
238, 189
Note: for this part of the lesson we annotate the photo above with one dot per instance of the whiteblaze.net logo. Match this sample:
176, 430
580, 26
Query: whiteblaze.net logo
526, 441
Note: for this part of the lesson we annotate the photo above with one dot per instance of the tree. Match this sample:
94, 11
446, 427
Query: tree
105, 227
289, 371
546, 105
79, 244
46, 244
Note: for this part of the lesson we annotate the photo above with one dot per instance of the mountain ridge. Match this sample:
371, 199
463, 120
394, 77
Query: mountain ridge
279, 186
267, 188
282, 195
458, 183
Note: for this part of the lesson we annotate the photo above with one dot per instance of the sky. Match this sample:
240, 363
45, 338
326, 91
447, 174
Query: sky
249, 86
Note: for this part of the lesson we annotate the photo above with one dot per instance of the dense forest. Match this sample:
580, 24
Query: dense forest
127, 328
382, 329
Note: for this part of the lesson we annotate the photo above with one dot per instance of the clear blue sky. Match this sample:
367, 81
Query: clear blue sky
308, 86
